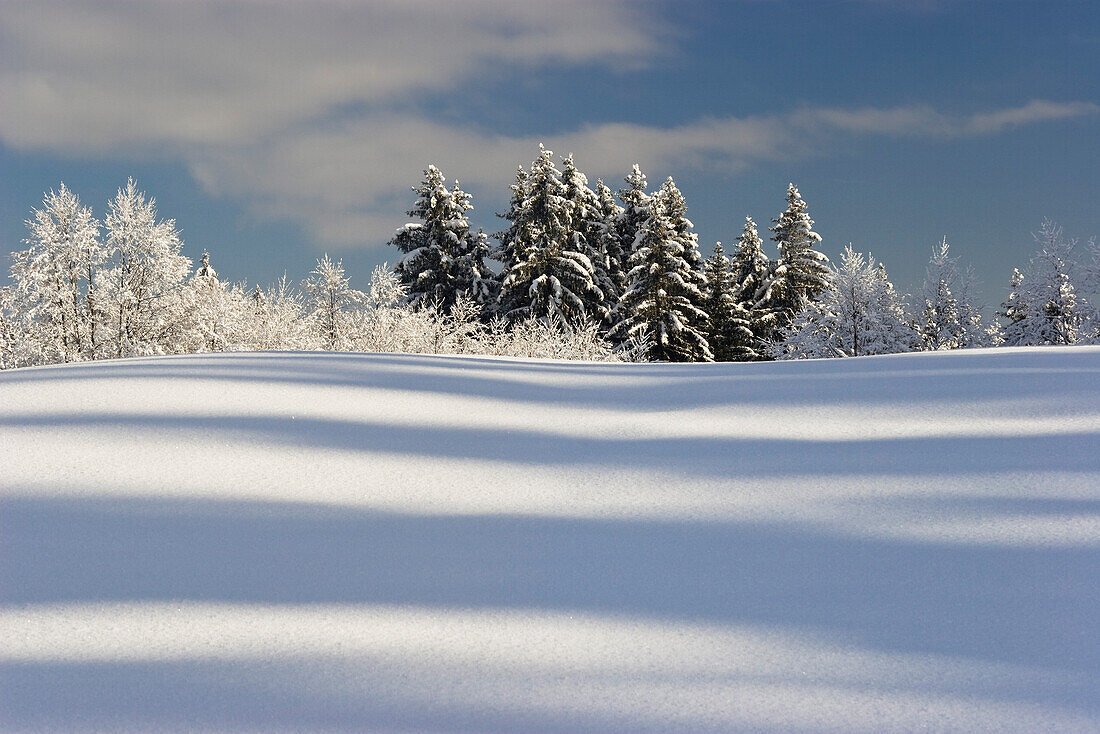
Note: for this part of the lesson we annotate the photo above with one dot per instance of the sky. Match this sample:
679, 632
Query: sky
273, 132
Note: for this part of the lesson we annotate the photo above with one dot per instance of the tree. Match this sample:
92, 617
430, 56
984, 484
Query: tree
548, 276
141, 292
1042, 306
802, 272
751, 273
664, 296
55, 279
728, 322
586, 231
333, 300
218, 313
279, 319
613, 251
444, 257
858, 314
939, 318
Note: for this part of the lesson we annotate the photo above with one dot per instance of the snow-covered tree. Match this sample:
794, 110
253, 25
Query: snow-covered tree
140, 294
728, 322
333, 303
548, 277
613, 251
664, 297
946, 315
12, 341
802, 272
751, 272
55, 280
587, 228
859, 313
278, 318
218, 314
635, 211
1042, 306
444, 257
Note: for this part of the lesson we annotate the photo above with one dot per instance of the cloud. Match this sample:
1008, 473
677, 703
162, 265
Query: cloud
307, 112
923, 121
109, 76
348, 184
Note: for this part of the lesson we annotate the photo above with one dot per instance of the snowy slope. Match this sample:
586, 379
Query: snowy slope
306, 542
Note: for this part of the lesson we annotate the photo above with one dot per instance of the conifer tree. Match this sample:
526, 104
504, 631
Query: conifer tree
1042, 307
549, 277
664, 297
444, 258
635, 202
613, 251
728, 331
939, 319
802, 272
586, 231
751, 272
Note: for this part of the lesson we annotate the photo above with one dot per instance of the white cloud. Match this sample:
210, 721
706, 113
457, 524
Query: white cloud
109, 76
349, 184
293, 109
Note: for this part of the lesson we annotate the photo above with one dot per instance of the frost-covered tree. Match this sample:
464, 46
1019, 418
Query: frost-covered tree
635, 211
613, 251
946, 314
278, 318
587, 228
664, 297
802, 272
444, 257
12, 340
728, 322
751, 272
1042, 306
217, 314
55, 280
859, 313
548, 277
333, 303
141, 293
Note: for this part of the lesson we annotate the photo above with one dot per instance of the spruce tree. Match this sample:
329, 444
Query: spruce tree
550, 277
444, 258
664, 297
751, 272
728, 331
634, 212
613, 251
1042, 307
585, 233
802, 272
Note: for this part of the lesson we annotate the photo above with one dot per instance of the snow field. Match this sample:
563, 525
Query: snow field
270, 542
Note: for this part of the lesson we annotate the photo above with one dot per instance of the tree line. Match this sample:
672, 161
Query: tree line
630, 264
584, 273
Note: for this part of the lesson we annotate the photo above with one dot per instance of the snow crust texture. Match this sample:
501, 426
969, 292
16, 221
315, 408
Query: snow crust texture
346, 542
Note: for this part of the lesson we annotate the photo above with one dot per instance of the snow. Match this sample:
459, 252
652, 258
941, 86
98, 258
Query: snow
346, 542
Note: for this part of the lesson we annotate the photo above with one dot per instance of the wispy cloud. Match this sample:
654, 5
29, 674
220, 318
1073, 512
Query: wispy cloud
301, 111
109, 76
348, 184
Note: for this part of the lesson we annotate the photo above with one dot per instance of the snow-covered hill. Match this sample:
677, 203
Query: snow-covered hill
307, 542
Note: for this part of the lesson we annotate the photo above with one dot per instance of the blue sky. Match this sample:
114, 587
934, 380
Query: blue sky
273, 132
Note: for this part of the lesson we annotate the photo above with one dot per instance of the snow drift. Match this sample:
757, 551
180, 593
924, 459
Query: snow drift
266, 542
